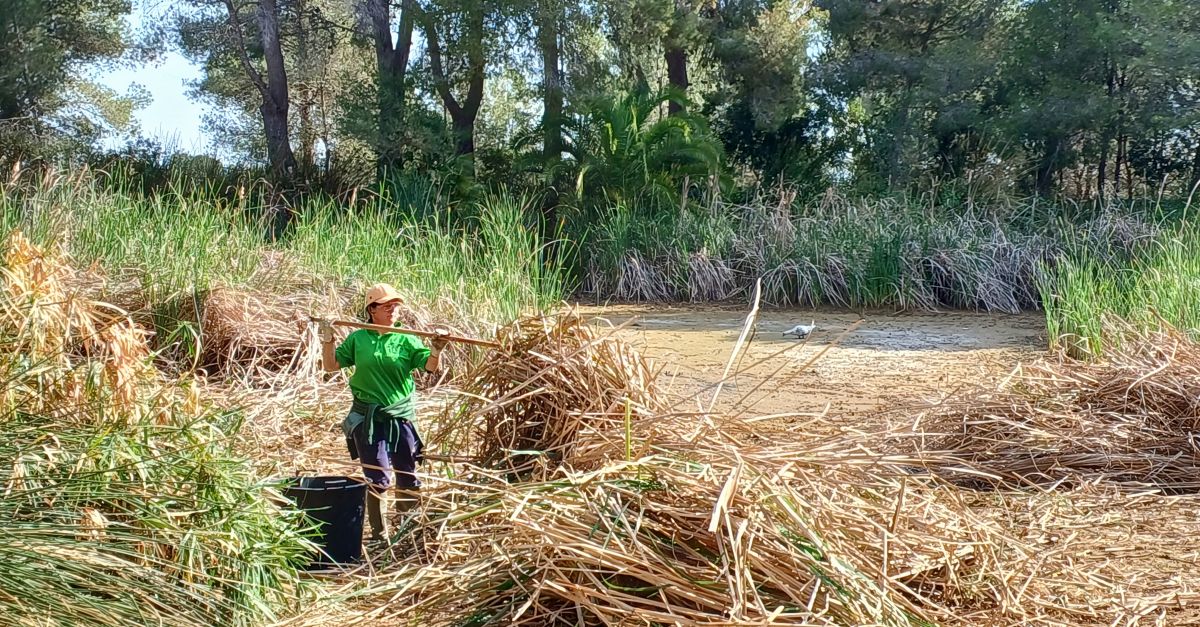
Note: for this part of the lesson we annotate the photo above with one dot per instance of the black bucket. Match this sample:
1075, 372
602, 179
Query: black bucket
337, 503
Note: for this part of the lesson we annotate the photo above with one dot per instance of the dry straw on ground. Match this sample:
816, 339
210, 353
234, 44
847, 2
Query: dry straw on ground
1132, 419
670, 541
263, 338
690, 519
823, 533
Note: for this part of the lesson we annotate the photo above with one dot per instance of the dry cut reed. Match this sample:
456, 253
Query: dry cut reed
553, 381
1131, 419
702, 519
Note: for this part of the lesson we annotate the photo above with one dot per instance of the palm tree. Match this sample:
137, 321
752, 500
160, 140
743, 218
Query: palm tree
626, 150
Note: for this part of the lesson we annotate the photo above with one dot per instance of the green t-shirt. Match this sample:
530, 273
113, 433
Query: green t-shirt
383, 364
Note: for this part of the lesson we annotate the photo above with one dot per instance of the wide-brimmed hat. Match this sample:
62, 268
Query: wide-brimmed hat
382, 293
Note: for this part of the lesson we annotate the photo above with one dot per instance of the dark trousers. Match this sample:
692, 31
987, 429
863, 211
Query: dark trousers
379, 462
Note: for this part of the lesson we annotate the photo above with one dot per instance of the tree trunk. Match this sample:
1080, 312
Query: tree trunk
274, 107
273, 89
552, 89
1117, 169
326, 132
279, 149
677, 75
463, 128
392, 86
1048, 167
1111, 128
275, 100
948, 163
462, 115
897, 170
1128, 171
305, 101
1103, 169
1196, 168
308, 131
549, 13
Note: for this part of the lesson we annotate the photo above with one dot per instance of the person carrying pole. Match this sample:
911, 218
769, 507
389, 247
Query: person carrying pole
379, 427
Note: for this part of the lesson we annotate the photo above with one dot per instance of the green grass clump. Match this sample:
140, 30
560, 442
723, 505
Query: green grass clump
139, 524
486, 266
1092, 300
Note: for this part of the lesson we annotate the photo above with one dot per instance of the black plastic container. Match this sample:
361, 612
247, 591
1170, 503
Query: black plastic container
338, 504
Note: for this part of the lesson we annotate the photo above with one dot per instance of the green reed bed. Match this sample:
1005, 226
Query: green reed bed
861, 253
488, 268
1092, 300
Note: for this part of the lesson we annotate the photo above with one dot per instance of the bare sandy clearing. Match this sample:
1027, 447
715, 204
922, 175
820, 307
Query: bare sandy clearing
889, 361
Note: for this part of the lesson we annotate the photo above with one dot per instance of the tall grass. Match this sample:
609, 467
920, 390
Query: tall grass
491, 267
487, 269
1091, 300
1096, 271
123, 502
837, 251
168, 244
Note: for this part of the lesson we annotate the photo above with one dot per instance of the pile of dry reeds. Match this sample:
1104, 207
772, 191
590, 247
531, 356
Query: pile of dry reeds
634, 514
1132, 419
553, 381
265, 339
699, 519
79, 351
247, 333
817, 533
662, 540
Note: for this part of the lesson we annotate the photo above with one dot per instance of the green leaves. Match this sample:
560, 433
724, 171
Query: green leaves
628, 150
43, 43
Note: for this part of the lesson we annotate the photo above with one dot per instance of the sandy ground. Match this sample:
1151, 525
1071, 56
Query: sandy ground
889, 361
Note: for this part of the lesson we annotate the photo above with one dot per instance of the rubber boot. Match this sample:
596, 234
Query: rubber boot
377, 516
407, 499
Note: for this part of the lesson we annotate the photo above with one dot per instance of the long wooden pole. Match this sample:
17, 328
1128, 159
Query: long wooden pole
379, 328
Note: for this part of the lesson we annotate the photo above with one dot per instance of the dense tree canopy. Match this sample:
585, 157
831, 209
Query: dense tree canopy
1091, 98
44, 96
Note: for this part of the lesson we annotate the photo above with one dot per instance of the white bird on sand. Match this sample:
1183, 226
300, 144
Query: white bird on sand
801, 331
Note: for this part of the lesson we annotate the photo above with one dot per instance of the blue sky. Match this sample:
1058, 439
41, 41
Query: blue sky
171, 118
